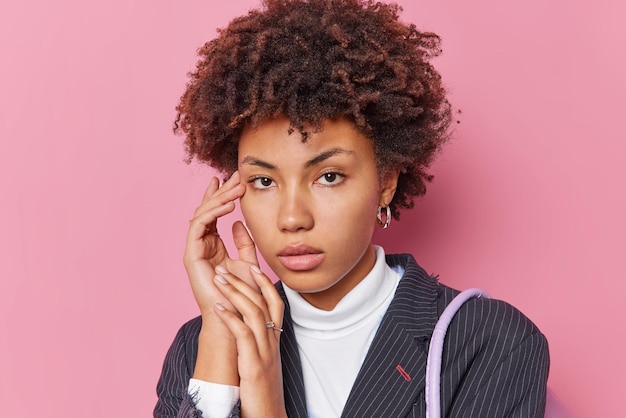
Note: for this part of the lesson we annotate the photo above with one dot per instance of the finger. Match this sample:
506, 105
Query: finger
242, 293
244, 243
249, 303
216, 196
214, 184
275, 304
231, 190
244, 336
205, 217
199, 224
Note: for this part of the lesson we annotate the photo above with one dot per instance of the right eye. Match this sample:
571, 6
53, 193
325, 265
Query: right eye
261, 182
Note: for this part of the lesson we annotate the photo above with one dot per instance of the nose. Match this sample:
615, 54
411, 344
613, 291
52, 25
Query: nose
295, 212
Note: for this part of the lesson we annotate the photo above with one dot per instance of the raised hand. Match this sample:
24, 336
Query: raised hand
204, 251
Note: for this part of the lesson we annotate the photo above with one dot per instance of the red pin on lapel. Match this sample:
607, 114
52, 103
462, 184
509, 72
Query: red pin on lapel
403, 373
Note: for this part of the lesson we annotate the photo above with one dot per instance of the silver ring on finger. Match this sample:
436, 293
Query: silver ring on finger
272, 325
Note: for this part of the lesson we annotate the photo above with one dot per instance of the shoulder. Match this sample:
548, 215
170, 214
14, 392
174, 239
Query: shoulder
486, 321
493, 319
488, 337
494, 359
488, 316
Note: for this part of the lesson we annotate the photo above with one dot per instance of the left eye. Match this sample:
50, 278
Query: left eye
330, 179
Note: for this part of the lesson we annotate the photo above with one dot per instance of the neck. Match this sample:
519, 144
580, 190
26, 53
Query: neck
326, 300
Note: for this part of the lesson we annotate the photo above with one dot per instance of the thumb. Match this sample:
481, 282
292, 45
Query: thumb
244, 243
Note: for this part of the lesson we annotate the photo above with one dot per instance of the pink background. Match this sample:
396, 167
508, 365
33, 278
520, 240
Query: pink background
528, 201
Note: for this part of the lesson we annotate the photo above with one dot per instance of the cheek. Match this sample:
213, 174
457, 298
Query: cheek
355, 216
245, 205
248, 210
256, 216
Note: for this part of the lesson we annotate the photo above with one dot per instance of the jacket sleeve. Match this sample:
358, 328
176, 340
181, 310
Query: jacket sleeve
174, 401
499, 368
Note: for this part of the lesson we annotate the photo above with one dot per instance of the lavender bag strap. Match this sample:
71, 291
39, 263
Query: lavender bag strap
435, 351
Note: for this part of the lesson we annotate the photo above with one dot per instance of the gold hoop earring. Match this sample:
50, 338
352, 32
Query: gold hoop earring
379, 217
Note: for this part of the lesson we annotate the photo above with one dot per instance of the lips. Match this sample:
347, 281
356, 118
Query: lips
300, 257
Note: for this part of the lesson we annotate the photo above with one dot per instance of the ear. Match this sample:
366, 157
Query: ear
388, 185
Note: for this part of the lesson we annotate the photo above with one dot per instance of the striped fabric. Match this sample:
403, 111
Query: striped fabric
495, 361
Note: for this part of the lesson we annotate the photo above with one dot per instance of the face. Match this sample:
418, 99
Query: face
311, 206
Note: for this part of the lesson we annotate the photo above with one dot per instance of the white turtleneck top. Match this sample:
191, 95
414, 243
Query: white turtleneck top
332, 345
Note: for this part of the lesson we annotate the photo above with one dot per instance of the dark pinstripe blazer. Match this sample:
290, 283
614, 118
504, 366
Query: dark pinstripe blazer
495, 361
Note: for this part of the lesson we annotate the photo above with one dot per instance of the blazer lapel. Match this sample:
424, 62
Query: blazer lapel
293, 381
392, 377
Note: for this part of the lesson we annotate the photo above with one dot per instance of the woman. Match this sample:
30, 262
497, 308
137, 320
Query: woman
326, 115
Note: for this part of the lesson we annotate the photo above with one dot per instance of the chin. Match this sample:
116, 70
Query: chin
304, 284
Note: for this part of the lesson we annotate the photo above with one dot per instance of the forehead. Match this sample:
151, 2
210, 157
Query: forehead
277, 136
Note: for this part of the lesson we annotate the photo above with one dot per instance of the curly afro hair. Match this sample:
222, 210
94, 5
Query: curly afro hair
313, 60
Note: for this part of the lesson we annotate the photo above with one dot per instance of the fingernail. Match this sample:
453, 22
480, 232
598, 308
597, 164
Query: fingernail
220, 307
255, 269
221, 279
221, 270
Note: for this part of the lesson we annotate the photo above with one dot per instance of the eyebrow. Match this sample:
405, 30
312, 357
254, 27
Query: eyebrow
313, 161
257, 162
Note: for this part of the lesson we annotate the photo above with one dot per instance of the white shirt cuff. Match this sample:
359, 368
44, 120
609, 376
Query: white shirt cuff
213, 399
